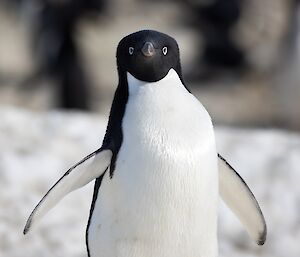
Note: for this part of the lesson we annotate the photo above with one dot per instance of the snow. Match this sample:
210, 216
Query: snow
37, 148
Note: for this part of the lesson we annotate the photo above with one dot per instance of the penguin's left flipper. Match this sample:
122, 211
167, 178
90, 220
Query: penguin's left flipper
239, 198
88, 169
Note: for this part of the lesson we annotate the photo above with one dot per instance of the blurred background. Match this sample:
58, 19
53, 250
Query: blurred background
239, 56
58, 74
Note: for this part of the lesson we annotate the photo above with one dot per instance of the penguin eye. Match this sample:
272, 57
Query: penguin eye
130, 50
165, 50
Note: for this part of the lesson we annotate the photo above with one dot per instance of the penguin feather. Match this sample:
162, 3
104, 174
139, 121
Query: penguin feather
239, 198
88, 169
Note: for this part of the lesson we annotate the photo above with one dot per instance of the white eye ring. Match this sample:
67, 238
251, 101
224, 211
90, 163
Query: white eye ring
130, 50
165, 50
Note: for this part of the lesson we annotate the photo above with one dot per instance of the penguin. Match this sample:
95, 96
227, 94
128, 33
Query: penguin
158, 173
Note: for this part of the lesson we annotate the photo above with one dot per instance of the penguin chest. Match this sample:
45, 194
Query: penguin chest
166, 178
163, 194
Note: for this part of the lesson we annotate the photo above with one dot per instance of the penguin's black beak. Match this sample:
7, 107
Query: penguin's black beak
148, 49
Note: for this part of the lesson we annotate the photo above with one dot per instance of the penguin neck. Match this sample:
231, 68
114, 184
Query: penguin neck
135, 85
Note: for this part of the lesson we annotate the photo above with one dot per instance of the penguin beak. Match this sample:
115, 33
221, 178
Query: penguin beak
148, 49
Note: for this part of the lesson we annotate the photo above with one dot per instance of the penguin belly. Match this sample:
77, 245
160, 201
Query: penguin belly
162, 198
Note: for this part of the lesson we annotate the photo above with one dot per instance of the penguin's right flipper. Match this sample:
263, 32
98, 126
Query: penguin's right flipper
88, 169
239, 198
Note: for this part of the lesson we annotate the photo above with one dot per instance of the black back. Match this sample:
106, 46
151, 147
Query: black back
112, 140
144, 68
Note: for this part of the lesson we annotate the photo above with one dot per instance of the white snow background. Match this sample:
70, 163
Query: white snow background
37, 148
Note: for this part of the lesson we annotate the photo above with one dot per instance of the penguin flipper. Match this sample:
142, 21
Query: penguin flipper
89, 168
239, 198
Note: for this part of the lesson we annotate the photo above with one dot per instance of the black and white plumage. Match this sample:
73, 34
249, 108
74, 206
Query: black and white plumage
157, 172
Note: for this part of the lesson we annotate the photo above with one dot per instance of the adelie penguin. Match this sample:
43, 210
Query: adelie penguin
158, 174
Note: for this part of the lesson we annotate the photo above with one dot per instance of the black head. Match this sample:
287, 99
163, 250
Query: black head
148, 55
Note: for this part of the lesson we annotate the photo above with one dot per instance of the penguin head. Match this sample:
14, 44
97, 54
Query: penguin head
148, 55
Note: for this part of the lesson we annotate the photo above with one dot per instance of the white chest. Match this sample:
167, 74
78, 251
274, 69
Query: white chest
163, 196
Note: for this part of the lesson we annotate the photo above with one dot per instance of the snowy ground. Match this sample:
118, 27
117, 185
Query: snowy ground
36, 149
